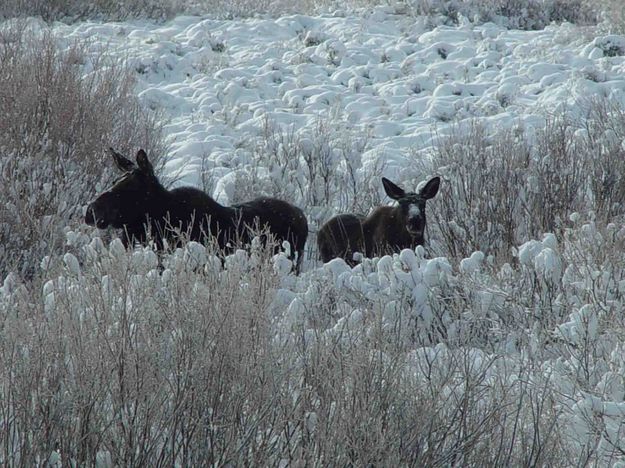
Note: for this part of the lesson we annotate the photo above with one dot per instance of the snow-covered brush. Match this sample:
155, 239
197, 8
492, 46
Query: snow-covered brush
49, 156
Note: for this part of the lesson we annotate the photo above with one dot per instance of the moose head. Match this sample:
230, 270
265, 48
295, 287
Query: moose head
129, 199
410, 211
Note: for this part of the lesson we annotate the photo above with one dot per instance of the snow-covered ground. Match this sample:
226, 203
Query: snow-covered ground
401, 84
384, 75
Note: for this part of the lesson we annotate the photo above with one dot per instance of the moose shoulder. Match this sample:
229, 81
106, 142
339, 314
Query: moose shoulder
386, 230
140, 206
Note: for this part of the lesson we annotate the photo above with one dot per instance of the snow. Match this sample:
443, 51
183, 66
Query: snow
390, 79
72, 263
218, 80
472, 264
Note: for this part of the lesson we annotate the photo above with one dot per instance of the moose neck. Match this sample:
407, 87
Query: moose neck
188, 205
159, 204
218, 211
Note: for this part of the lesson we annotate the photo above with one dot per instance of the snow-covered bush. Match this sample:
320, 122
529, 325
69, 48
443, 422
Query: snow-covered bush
517, 14
522, 14
130, 356
612, 16
603, 143
73, 10
77, 10
479, 203
128, 353
548, 331
319, 169
55, 127
504, 188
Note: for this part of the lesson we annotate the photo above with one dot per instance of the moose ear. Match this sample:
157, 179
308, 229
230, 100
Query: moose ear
144, 163
122, 162
392, 190
430, 189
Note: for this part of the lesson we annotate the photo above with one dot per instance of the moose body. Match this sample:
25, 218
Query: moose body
386, 230
140, 206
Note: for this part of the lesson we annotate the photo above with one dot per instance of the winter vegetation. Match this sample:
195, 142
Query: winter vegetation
499, 342
526, 14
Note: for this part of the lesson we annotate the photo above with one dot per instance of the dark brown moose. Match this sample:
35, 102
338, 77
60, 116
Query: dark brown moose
138, 204
386, 230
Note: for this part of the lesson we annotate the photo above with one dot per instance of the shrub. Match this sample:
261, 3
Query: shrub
76, 10
55, 128
518, 14
403, 360
612, 17
522, 14
503, 189
110, 10
602, 137
319, 169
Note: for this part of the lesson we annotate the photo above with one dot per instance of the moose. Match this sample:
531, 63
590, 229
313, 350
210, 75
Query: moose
386, 230
139, 205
